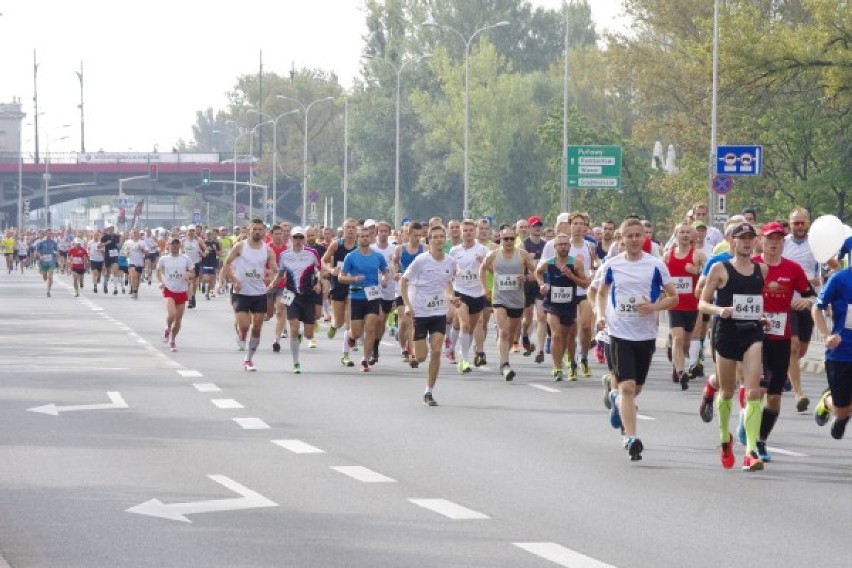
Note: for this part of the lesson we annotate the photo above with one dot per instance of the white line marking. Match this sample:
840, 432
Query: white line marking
140, 340
362, 474
544, 388
644, 417
174, 363
206, 387
448, 509
252, 423
786, 452
151, 348
226, 403
298, 447
189, 373
388, 344
558, 554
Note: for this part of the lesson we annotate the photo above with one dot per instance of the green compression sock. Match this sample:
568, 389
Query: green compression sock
723, 407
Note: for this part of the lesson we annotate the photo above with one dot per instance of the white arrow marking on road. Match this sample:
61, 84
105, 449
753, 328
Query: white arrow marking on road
448, 509
53, 410
558, 554
177, 511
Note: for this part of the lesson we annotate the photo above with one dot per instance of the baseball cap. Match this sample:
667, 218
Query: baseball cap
299, 231
743, 229
772, 228
367, 224
562, 218
175, 241
535, 220
699, 224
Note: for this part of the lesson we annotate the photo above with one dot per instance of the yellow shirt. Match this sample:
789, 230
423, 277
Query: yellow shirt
721, 247
8, 245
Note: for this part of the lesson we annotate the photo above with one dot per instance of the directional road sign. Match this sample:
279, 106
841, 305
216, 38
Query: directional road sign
739, 160
722, 184
594, 167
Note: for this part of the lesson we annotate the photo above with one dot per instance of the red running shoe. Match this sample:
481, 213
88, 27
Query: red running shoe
727, 453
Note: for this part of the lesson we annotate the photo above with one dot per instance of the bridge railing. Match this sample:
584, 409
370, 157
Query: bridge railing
115, 157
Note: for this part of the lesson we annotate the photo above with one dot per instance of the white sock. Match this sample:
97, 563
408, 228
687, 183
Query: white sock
346, 342
465, 345
454, 337
694, 347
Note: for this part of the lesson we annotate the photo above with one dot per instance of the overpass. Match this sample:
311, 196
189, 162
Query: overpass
97, 174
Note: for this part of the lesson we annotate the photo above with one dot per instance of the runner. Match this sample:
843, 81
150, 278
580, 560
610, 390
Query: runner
152, 246
95, 252
403, 256
298, 269
634, 286
512, 267
558, 278
533, 307
194, 249
245, 269
389, 293
738, 335
23, 251
468, 257
9, 249
45, 251
430, 274
136, 251
78, 256
361, 269
209, 265
110, 243
174, 271
274, 305
332, 261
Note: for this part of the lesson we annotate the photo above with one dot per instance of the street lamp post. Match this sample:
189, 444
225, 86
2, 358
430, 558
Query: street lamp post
274, 157
46, 178
251, 166
467, 42
306, 109
398, 71
236, 139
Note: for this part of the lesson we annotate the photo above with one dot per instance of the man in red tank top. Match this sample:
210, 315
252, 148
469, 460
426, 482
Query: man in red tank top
278, 244
684, 263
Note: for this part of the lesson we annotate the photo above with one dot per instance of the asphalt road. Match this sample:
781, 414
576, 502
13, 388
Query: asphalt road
183, 459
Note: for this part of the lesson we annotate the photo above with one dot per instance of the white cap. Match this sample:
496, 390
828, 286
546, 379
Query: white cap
369, 223
562, 218
297, 230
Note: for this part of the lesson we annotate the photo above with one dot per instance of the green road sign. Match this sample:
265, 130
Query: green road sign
591, 167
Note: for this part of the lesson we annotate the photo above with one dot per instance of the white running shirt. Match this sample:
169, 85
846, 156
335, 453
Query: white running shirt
630, 282
174, 269
429, 278
468, 261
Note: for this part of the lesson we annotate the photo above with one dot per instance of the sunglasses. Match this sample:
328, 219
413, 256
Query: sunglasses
508, 239
298, 236
798, 223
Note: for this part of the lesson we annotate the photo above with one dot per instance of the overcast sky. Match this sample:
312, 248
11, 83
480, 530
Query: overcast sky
149, 66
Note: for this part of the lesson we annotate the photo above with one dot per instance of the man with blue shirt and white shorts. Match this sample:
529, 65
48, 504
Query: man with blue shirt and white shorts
635, 285
46, 250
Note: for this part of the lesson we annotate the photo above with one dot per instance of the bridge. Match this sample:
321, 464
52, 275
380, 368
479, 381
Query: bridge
76, 175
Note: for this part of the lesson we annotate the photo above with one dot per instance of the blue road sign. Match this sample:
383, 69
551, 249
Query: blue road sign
196, 217
722, 184
739, 160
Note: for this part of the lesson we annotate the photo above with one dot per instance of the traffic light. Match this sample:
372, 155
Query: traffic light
152, 171
122, 216
205, 176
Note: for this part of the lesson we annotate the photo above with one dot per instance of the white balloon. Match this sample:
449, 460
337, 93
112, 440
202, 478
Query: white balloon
825, 237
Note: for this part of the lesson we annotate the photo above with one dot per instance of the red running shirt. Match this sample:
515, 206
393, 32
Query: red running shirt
778, 287
684, 282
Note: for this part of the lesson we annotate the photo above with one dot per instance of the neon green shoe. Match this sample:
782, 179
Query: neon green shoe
297, 369
464, 367
821, 412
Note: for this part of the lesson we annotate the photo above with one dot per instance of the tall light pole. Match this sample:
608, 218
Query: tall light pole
243, 132
711, 206
82, 122
251, 165
398, 70
274, 156
467, 42
306, 109
46, 178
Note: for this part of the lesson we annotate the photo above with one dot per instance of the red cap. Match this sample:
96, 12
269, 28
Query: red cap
771, 228
534, 219
646, 245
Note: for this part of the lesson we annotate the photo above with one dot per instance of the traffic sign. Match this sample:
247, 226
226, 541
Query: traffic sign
739, 160
720, 218
313, 196
196, 217
722, 184
592, 167
721, 204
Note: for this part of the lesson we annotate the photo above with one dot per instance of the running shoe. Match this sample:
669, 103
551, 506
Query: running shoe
727, 453
705, 410
634, 448
106, 291
683, 379
115, 293
373, 360
332, 331
788, 386
572, 371
507, 372
297, 369
557, 375
172, 346
413, 363
669, 347
584, 367
839, 427
346, 361
614, 414
276, 347
166, 335
607, 387
675, 376
249, 366
741, 432
451, 356
763, 452
479, 360
405, 355
428, 400
599, 353
96, 289
696, 370
312, 343
802, 403
539, 357
528, 346
365, 366
752, 462
464, 367
821, 412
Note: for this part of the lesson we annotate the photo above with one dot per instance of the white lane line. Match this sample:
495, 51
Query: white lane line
151, 348
226, 403
140, 340
174, 363
189, 373
644, 417
298, 447
252, 423
362, 474
206, 387
448, 509
558, 554
786, 452
544, 388
388, 344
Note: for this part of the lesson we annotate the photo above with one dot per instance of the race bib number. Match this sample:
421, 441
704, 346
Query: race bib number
76, 260
113, 253
682, 284
627, 306
508, 282
777, 323
436, 302
467, 276
287, 297
372, 292
747, 306
561, 294
47, 258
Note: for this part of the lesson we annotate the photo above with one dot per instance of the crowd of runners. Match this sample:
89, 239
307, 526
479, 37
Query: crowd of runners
563, 292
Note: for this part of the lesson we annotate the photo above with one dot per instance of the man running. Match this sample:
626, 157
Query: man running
386, 249
194, 249
403, 256
468, 256
174, 271
245, 268
110, 243
46, 250
430, 274
332, 261
136, 251
77, 257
